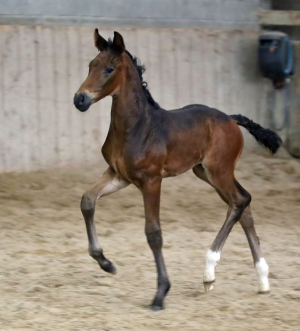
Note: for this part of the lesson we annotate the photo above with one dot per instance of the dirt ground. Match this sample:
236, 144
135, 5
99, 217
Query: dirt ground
49, 282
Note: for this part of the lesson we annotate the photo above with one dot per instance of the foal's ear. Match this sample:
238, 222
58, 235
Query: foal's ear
100, 42
118, 42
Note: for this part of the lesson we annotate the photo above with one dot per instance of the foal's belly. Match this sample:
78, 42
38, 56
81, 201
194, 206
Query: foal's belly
179, 163
186, 148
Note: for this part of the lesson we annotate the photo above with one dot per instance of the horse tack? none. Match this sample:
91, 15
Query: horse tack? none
146, 143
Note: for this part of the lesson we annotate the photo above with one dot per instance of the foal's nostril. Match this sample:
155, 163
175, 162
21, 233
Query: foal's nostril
81, 99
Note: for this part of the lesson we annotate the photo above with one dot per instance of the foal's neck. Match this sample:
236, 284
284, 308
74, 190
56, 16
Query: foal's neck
130, 103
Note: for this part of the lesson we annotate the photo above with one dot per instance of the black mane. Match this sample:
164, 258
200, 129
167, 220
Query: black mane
141, 69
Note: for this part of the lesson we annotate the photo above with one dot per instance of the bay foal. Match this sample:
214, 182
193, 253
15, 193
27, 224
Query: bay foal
146, 143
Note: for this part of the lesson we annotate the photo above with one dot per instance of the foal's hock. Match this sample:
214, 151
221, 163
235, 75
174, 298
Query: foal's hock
145, 143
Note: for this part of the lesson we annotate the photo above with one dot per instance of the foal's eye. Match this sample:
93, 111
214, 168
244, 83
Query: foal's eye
108, 71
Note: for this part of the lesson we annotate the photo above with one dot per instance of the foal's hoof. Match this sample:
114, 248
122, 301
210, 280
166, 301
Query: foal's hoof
208, 286
263, 292
264, 287
156, 308
108, 267
157, 304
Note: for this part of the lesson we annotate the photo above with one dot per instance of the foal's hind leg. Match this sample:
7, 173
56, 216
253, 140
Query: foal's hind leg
259, 261
238, 199
248, 226
109, 183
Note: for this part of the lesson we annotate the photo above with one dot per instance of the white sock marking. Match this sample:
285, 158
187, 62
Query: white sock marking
212, 259
263, 272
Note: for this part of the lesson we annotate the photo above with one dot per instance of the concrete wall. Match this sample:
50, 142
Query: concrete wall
265, 4
42, 67
230, 14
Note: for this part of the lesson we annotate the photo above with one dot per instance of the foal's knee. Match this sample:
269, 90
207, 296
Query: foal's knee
87, 205
245, 200
154, 239
244, 197
242, 203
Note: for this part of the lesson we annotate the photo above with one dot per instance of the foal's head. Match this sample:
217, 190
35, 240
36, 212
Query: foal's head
105, 69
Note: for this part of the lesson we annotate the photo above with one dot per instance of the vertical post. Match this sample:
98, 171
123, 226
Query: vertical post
293, 130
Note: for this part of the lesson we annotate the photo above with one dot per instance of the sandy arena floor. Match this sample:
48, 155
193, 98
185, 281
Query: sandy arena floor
49, 282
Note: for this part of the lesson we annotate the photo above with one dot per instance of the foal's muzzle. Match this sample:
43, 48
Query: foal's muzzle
82, 101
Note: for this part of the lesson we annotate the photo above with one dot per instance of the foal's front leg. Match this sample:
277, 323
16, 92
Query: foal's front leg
109, 183
151, 194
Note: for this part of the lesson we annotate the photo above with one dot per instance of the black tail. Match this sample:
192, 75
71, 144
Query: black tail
265, 137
